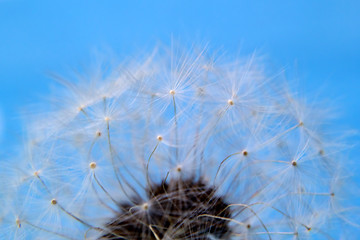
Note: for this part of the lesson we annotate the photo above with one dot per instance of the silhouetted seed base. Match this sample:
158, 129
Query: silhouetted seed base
180, 209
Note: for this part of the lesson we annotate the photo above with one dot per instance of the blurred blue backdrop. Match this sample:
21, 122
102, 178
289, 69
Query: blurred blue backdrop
317, 42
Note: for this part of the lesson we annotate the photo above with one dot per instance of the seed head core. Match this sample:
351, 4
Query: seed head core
190, 206
172, 92
231, 102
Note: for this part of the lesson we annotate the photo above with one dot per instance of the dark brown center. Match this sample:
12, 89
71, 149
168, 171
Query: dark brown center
180, 209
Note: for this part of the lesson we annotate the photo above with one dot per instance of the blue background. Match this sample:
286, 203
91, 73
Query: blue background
317, 42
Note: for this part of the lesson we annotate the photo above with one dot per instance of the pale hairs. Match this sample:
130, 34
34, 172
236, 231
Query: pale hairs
109, 136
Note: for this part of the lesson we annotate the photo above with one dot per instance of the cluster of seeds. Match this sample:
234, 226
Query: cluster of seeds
179, 145
180, 209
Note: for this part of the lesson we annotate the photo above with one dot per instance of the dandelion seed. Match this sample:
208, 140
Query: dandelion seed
53, 201
245, 153
18, 223
145, 206
92, 165
179, 168
81, 108
36, 173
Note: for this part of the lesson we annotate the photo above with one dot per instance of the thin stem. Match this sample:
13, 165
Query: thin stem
147, 167
176, 130
276, 209
111, 151
112, 158
100, 200
152, 230
223, 218
46, 230
223, 161
76, 218
253, 212
102, 187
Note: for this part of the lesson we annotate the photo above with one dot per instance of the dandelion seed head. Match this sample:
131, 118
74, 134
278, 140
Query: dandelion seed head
221, 166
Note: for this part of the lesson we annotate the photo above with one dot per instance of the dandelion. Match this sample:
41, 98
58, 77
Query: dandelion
177, 147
